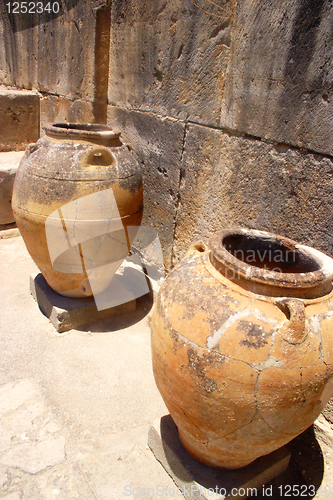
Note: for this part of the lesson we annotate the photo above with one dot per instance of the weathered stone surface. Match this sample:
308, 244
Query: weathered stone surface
170, 57
323, 430
59, 109
328, 412
197, 481
9, 231
29, 440
279, 81
232, 180
9, 163
13, 496
55, 56
15, 394
262, 70
257, 67
35, 457
158, 145
16, 430
19, 119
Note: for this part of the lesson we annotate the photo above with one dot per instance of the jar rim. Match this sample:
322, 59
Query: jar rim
81, 130
311, 267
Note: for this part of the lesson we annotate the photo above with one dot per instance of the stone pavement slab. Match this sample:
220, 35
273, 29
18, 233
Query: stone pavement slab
8, 231
30, 440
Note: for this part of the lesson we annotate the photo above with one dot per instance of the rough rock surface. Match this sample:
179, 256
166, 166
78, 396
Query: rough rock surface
328, 413
229, 180
170, 57
30, 439
19, 119
60, 109
279, 83
261, 68
158, 145
255, 69
9, 163
55, 57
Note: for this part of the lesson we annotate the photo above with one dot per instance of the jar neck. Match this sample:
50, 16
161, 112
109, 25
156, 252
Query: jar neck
86, 132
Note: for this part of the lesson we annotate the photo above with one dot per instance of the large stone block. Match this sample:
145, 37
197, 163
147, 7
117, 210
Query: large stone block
279, 83
258, 67
158, 145
55, 55
19, 119
59, 109
170, 57
233, 180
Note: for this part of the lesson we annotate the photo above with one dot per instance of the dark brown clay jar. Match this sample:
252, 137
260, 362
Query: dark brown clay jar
242, 344
78, 202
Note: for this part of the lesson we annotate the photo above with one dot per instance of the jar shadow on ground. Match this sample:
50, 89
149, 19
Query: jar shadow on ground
305, 470
143, 306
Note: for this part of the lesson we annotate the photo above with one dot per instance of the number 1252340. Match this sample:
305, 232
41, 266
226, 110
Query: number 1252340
32, 7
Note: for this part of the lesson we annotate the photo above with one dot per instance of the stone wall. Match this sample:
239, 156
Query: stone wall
227, 105
56, 58
241, 97
279, 79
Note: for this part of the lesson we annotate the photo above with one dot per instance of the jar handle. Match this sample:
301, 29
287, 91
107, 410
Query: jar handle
199, 246
99, 157
293, 331
30, 149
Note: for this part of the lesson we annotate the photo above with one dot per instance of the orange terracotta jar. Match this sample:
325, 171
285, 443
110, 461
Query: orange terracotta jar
242, 344
78, 202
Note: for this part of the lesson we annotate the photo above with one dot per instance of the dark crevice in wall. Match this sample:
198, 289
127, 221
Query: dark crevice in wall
181, 175
101, 69
43, 93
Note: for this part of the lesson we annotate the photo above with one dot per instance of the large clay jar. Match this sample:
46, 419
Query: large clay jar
242, 344
77, 201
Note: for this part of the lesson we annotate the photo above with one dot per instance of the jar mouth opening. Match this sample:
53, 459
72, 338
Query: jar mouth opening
81, 130
269, 259
269, 253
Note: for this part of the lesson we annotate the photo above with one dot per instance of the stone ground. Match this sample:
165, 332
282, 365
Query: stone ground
75, 408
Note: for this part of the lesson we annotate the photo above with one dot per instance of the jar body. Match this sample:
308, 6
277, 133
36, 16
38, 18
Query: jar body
241, 373
75, 198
